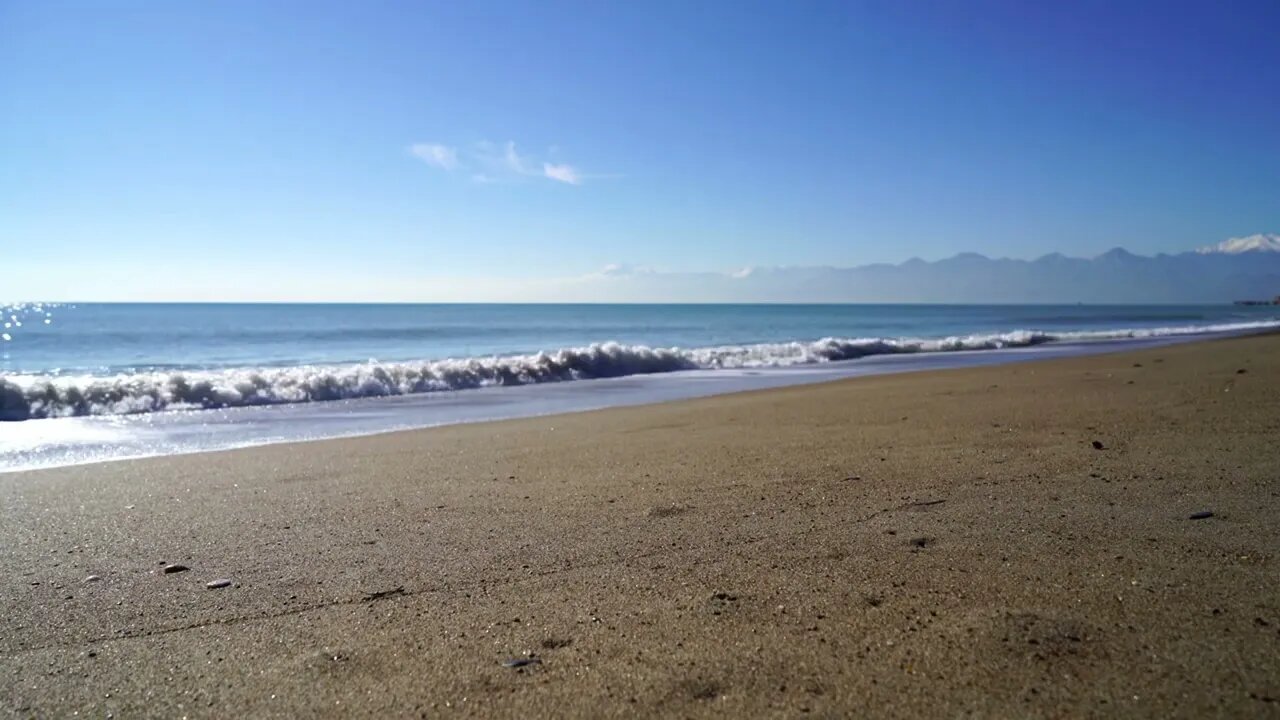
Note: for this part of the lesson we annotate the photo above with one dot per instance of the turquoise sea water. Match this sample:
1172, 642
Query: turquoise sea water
127, 338
109, 359
86, 383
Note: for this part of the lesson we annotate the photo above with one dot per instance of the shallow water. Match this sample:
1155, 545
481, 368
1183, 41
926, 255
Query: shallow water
100, 382
110, 339
75, 440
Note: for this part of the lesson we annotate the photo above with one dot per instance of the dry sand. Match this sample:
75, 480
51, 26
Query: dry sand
927, 545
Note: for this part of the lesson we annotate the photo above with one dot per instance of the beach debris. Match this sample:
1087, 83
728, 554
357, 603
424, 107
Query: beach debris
91, 578
703, 690
1241, 371
922, 504
519, 662
721, 602
662, 511
1200, 515
219, 583
555, 643
175, 568
1097, 445
921, 542
380, 594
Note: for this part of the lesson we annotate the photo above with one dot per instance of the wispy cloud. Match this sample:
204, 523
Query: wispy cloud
514, 162
441, 156
563, 173
488, 163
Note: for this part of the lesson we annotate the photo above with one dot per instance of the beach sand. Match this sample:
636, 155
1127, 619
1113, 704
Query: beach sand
922, 545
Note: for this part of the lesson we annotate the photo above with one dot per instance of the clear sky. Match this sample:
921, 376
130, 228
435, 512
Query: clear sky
232, 149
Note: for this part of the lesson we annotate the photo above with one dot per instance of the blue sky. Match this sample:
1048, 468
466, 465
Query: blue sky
235, 150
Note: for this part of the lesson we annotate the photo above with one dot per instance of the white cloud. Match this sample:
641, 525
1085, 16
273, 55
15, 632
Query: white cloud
488, 163
514, 162
563, 173
620, 270
441, 156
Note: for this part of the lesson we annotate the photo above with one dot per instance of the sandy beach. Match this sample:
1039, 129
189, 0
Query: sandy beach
999, 542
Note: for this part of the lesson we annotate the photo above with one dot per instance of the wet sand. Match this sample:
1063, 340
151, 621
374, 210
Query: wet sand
923, 545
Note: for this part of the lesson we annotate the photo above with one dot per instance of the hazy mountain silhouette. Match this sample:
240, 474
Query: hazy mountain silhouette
1116, 276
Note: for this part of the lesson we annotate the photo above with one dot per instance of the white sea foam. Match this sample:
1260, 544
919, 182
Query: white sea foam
25, 397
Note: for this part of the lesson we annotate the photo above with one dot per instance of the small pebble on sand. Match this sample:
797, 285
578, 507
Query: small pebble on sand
1201, 515
175, 568
219, 583
1097, 445
92, 578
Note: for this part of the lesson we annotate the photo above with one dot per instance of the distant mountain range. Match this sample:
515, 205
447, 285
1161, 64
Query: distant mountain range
1237, 269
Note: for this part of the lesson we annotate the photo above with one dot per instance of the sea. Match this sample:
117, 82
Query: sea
88, 382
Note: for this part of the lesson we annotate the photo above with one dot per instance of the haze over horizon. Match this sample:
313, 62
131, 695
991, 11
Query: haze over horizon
574, 151
1246, 268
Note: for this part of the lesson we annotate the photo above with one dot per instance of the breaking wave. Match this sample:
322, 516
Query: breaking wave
24, 397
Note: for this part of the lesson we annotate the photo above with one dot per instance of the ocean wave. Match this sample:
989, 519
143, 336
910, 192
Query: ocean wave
24, 397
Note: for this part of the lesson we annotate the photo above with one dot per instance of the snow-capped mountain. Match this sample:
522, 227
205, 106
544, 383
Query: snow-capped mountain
1262, 242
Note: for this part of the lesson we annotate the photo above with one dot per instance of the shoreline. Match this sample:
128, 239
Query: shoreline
915, 544
65, 442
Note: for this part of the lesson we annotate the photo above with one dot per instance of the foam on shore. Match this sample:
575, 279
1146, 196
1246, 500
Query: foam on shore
24, 397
